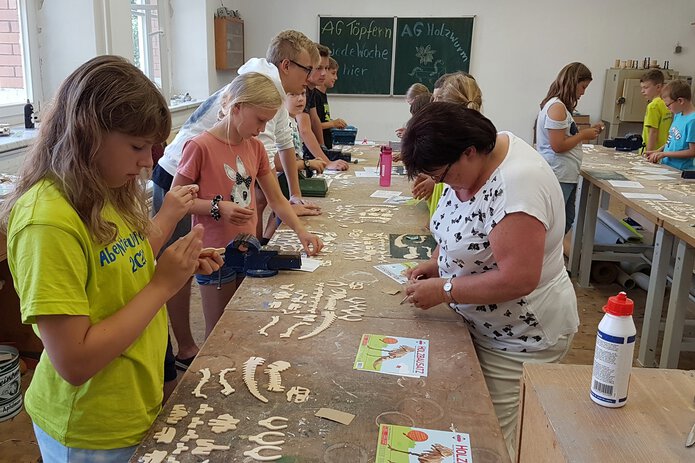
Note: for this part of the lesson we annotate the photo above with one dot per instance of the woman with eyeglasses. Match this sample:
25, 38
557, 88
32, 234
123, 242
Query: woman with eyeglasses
499, 263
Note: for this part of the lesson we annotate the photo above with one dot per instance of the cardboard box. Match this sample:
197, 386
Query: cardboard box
558, 422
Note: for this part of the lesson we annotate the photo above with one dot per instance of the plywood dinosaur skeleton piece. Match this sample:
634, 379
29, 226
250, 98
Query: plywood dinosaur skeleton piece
274, 370
329, 318
289, 331
223, 423
195, 422
226, 387
165, 436
191, 434
249, 371
205, 446
298, 394
273, 321
255, 453
268, 423
206, 377
180, 447
275, 305
156, 456
203, 409
260, 438
177, 413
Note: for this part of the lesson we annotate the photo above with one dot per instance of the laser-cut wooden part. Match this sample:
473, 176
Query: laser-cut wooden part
282, 295
275, 305
351, 318
338, 294
273, 321
165, 436
299, 299
223, 423
274, 370
206, 377
298, 394
156, 456
191, 434
336, 283
331, 304
205, 446
289, 331
356, 300
226, 387
260, 438
329, 318
249, 371
171, 459
306, 318
289, 287
326, 263
195, 422
356, 285
255, 453
177, 413
180, 447
268, 423
353, 311
204, 408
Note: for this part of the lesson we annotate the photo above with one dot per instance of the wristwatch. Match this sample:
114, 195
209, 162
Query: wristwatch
448, 287
215, 208
307, 165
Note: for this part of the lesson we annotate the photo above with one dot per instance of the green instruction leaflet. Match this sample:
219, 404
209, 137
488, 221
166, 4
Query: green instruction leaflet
393, 355
403, 444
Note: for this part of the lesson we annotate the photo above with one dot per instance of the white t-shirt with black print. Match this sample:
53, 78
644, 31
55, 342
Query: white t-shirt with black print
523, 182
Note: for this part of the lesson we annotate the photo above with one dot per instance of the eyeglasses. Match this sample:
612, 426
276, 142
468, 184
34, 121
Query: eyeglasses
668, 105
308, 69
441, 178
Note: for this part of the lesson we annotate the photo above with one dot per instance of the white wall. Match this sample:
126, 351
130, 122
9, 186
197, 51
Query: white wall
517, 50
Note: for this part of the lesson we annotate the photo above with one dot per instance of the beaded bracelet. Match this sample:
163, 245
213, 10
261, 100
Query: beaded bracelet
215, 208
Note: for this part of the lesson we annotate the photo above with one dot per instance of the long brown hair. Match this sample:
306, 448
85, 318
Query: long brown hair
105, 94
565, 85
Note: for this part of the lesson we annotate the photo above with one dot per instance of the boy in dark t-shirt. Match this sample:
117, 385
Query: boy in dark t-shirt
321, 103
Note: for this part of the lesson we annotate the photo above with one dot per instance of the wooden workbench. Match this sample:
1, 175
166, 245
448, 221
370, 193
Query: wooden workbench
452, 396
560, 423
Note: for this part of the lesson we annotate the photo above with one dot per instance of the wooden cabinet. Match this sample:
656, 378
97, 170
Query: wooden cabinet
229, 43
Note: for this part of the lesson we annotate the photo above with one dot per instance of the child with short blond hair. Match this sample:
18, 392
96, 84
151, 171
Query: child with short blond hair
657, 118
679, 151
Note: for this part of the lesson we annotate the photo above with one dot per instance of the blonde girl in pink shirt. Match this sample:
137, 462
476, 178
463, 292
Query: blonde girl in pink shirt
226, 162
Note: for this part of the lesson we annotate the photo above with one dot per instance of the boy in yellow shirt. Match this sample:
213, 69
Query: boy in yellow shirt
657, 119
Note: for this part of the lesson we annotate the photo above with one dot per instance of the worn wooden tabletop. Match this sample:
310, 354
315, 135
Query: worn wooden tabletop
355, 228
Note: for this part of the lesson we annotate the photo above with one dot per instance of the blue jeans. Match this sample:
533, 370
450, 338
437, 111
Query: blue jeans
53, 451
569, 192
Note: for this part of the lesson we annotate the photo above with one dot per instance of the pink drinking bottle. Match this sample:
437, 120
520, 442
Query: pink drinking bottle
385, 161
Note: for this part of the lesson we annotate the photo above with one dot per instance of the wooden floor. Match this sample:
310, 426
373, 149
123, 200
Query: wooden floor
17, 443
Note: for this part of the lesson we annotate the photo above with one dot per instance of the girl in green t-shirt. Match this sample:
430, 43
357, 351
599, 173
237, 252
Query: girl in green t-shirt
81, 250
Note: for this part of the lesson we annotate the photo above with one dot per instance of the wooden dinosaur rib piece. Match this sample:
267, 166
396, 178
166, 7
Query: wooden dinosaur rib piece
274, 370
329, 318
178, 412
273, 321
289, 331
206, 377
249, 371
165, 436
255, 453
223, 423
205, 446
226, 387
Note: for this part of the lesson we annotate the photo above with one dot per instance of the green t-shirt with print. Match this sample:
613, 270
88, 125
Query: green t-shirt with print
658, 116
58, 269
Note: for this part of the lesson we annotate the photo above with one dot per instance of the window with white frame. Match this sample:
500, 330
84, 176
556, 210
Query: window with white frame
149, 40
16, 43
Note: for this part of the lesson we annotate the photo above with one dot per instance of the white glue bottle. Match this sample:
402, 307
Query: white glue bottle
615, 344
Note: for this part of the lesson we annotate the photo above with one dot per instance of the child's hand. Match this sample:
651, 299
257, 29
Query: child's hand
339, 123
179, 261
210, 260
399, 132
234, 213
178, 201
423, 187
590, 133
654, 156
303, 210
312, 244
318, 165
338, 165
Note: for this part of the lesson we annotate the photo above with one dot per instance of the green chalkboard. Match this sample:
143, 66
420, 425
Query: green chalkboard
363, 48
426, 48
